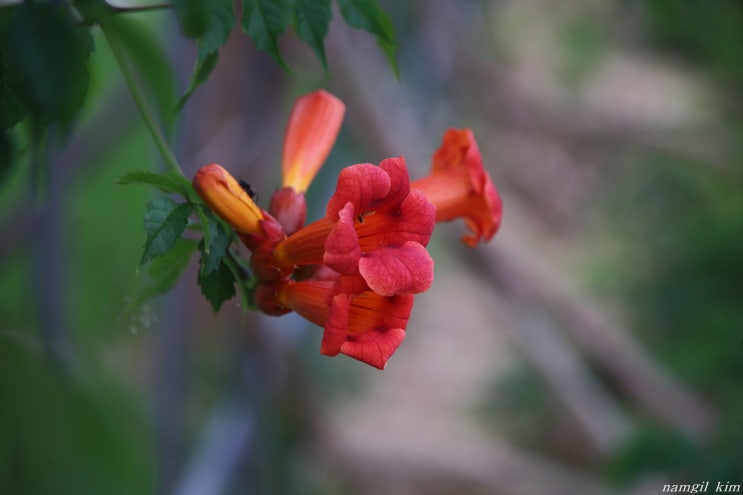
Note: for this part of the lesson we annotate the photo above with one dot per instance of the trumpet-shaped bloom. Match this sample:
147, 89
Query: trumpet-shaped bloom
365, 325
460, 187
375, 226
312, 130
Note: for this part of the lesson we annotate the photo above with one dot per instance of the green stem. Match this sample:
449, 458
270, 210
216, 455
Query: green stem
157, 136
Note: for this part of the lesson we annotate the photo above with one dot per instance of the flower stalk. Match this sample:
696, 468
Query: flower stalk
170, 161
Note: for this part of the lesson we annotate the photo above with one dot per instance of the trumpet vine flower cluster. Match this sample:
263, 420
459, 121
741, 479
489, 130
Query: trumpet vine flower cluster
354, 272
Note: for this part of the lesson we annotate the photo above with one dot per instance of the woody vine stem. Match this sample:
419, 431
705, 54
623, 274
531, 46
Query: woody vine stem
170, 161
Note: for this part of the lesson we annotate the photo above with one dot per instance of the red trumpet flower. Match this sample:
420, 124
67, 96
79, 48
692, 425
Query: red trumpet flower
460, 187
375, 226
355, 271
364, 325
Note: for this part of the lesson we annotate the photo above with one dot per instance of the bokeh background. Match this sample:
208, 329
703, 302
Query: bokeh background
593, 347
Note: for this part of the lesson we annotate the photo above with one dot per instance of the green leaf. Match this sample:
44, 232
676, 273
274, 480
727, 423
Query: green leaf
311, 19
219, 23
168, 182
166, 270
201, 72
221, 20
164, 222
367, 15
264, 21
217, 286
46, 48
214, 247
192, 16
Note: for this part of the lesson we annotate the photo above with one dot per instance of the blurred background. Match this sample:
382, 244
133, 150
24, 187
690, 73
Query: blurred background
593, 347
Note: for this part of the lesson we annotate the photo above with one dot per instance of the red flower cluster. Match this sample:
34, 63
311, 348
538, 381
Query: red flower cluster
355, 271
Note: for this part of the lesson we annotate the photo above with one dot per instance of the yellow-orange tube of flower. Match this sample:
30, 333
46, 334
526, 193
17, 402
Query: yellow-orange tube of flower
223, 194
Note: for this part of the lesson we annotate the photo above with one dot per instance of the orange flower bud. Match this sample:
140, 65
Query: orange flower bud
313, 127
224, 195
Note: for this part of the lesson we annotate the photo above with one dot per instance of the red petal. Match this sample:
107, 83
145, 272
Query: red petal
374, 347
370, 310
367, 327
399, 181
363, 185
376, 326
487, 221
350, 284
336, 328
414, 220
407, 269
458, 150
342, 251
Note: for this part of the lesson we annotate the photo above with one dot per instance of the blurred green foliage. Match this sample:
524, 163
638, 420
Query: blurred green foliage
675, 261
583, 47
681, 222
64, 435
44, 56
705, 33
521, 407
79, 429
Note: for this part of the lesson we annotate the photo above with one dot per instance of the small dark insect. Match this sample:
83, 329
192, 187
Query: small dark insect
360, 217
249, 190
